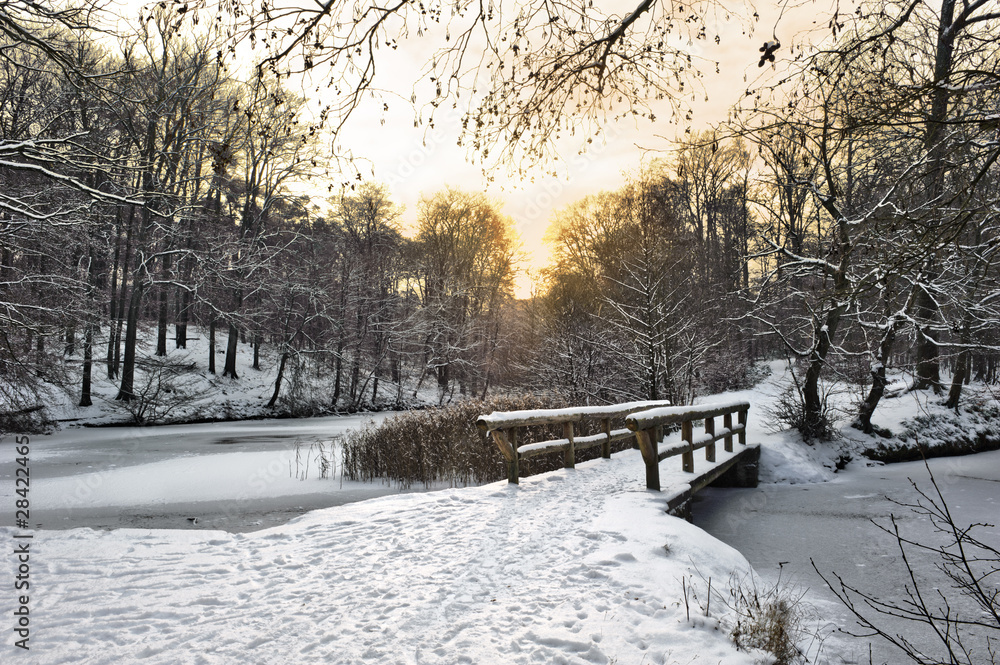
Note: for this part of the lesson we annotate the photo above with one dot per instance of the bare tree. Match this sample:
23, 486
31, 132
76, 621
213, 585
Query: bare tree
463, 260
372, 250
524, 74
869, 120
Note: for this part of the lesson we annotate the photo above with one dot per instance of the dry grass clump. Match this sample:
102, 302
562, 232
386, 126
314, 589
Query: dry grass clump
769, 618
443, 445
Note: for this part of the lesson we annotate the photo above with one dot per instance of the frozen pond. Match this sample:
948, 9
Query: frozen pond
235, 476
783, 527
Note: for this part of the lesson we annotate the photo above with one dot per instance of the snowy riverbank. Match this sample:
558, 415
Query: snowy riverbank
576, 566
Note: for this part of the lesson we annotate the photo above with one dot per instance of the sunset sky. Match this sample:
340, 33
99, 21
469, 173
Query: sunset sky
416, 160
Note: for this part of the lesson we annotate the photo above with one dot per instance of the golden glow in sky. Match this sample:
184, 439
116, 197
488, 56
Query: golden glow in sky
420, 160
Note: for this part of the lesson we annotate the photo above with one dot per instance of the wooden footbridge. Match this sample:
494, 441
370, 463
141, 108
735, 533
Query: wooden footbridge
645, 422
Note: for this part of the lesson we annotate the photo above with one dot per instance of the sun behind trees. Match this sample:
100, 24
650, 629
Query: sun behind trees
641, 285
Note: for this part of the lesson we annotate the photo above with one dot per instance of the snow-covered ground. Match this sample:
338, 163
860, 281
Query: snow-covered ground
576, 566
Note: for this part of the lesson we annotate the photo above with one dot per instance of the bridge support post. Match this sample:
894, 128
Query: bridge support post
606, 445
727, 422
710, 448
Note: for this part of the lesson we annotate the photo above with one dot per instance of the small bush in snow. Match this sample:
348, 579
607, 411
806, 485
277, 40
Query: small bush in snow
789, 412
300, 398
163, 387
769, 618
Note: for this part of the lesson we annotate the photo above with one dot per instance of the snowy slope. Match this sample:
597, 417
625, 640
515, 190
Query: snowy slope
195, 393
577, 566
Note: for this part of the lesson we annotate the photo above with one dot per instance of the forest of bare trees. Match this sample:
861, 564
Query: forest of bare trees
847, 220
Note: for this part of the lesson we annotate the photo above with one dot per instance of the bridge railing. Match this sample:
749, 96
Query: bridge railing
646, 425
504, 427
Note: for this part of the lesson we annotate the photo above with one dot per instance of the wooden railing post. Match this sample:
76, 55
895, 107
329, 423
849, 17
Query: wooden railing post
569, 456
606, 446
743, 431
727, 422
650, 456
710, 448
687, 457
506, 440
513, 468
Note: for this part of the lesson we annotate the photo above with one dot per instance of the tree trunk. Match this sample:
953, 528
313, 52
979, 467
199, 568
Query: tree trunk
180, 328
397, 379
118, 320
958, 379
232, 344
231, 347
443, 378
355, 378
70, 341
112, 301
277, 381
161, 324
161, 320
962, 365
816, 423
339, 367
88, 358
928, 362
868, 406
126, 391
211, 346
928, 368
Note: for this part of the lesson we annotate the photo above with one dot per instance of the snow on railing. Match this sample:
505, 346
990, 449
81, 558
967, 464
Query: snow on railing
645, 421
504, 426
648, 427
